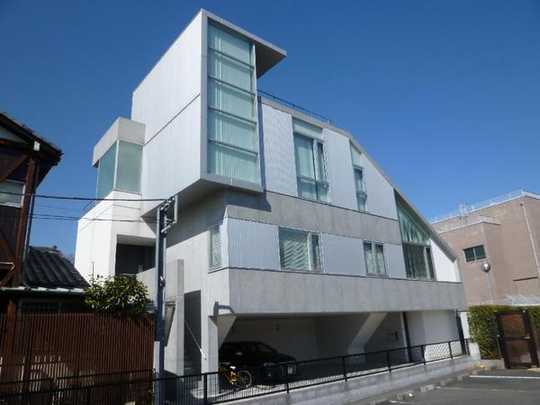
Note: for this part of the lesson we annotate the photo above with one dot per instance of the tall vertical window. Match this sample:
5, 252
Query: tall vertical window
120, 169
374, 256
310, 162
299, 250
416, 245
360, 186
215, 247
233, 144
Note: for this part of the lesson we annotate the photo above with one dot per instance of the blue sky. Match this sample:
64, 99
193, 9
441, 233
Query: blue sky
444, 95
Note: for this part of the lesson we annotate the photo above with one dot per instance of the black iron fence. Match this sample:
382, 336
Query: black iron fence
215, 387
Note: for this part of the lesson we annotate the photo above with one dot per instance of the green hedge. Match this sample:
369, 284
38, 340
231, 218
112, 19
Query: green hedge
483, 326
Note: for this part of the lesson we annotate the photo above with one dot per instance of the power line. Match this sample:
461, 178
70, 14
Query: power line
74, 218
76, 198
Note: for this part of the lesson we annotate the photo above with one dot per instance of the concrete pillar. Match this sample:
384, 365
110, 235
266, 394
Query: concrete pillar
210, 345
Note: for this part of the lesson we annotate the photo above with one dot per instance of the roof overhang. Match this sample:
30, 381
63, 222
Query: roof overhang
268, 54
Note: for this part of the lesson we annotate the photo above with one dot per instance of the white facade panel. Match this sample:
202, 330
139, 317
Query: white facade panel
395, 263
342, 255
171, 160
380, 193
445, 268
340, 171
172, 83
278, 151
253, 245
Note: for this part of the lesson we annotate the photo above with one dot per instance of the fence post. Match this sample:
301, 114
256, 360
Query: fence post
344, 366
423, 348
205, 388
287, 377
450, 349
87, 395
388, 362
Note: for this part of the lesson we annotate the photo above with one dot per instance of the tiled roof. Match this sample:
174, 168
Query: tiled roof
48, 268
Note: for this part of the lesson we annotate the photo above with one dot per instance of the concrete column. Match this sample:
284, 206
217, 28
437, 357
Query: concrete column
210, 345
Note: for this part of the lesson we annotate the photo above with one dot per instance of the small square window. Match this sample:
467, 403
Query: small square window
299, 250
374, 257
11, 193
474, 253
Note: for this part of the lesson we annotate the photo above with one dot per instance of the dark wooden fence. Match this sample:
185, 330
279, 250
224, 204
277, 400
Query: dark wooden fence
62, 349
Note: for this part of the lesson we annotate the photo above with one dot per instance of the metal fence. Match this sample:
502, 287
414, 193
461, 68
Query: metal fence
43, 352
214, 388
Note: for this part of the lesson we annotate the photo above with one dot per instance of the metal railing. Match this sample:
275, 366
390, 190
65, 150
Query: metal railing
214, 388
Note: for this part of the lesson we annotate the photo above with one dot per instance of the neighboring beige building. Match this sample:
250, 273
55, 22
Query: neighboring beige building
504, 232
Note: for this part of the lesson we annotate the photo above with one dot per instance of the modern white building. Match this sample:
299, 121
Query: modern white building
289, 232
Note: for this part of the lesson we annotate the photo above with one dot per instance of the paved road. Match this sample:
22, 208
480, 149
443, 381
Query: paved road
504, 387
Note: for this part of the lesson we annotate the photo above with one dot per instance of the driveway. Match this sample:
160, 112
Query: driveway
504, 387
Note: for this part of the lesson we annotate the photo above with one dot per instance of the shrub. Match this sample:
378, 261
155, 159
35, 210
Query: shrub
123, 295
484, 330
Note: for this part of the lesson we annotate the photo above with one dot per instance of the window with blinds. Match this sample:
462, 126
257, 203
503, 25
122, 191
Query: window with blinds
360, 186
299, 250
233, 144
374, 256
310, 162
215, 247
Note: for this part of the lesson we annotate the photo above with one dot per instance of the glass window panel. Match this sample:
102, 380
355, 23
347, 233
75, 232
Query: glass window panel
359, 179
230, 130
128, 177
215, 247
229, 44
234, 163
369, 257
303, 150
106, 169
361, 201
431, 269
469, 254
11, 187
231, 100
321, 164
322, 191
479, 252
230, 71
307, 189
315, 253
355, 154
304, 128
293, 249
412, 230
379, 258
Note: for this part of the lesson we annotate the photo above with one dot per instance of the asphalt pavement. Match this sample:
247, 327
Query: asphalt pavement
504, 387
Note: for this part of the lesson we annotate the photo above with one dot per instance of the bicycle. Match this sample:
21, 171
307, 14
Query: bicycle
238, 379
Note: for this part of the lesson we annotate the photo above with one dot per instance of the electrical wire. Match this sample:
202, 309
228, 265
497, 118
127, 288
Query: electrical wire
75, 198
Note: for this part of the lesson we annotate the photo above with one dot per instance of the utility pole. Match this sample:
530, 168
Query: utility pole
164, 224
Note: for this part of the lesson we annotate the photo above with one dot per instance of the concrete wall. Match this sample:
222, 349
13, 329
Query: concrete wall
432, 327
509, 232
174, 296
445, 268
95, 252
251, 291
389, 335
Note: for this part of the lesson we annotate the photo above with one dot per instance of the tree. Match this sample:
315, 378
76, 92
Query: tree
124, 295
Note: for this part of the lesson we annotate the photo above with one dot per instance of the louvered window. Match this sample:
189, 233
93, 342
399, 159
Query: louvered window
299, 250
